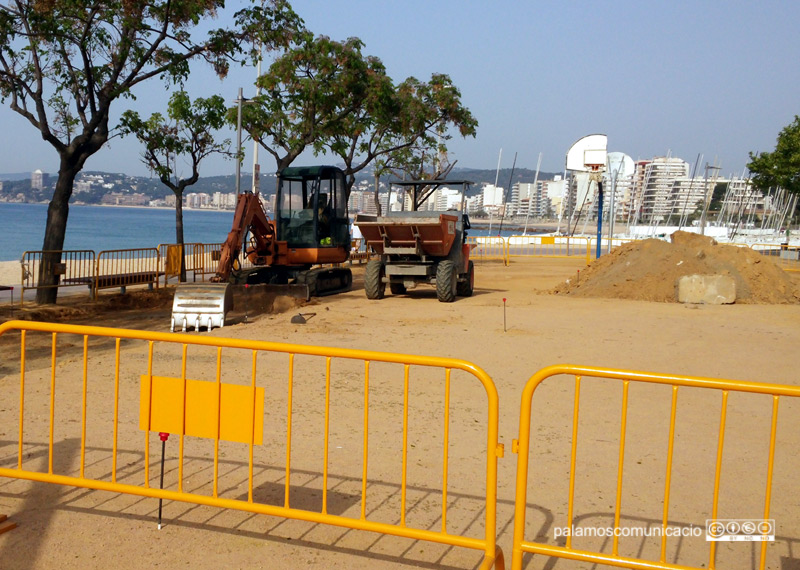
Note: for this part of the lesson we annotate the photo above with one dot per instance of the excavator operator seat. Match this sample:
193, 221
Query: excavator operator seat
311, 207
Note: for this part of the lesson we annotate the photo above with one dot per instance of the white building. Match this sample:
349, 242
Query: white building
39, 180
224, 200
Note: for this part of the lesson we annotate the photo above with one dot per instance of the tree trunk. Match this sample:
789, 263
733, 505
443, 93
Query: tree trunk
377, 190
54, 233
179, 230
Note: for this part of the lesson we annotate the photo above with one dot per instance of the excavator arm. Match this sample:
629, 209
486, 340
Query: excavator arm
249, 216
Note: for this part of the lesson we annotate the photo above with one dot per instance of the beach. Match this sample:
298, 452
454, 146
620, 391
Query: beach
513, 326
10, 276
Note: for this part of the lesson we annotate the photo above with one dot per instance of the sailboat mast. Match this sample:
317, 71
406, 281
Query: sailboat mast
496, 179
535, 186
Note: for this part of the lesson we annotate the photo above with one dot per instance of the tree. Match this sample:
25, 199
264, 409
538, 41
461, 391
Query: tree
404, 129
306, 93
63, 64
717, 196
188, 137
782, 166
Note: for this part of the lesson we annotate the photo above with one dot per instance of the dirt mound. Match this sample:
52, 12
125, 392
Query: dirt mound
648, 270
79, 307
111, 308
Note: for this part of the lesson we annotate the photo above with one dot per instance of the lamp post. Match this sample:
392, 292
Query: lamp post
239, 102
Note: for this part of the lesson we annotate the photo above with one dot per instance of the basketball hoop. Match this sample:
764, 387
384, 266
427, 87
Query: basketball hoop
588, 154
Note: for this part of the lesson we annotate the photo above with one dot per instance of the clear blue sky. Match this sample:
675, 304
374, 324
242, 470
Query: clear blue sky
714, 77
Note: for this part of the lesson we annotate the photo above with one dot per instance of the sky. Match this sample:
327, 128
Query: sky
679, 78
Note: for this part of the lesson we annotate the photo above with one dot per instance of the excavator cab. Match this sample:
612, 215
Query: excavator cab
311, 209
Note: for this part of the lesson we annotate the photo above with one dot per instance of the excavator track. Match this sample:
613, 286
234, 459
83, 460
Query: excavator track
322, 281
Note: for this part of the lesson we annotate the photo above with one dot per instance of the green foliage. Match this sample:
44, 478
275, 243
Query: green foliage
63, 62
186, 135
323, 94
717, 196
417, 138
782, 166
307, 92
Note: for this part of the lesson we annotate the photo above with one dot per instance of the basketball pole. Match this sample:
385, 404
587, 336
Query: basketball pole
597, 176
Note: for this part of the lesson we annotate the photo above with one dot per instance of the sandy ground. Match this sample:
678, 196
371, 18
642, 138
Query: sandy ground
64, 527
9, 276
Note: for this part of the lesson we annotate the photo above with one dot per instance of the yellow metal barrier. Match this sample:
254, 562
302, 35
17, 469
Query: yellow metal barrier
549, 246
485, 248
358, 252
522, 446
786, 256
124, 267
76, 267
334, 392
170, 255
198, 260
203, 258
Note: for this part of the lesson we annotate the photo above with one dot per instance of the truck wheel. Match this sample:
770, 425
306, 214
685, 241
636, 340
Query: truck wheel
446, 281
466, 287
397, 288
373, 279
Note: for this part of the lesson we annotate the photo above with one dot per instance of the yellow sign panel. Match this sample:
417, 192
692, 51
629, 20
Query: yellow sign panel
548, 240
172, 266
236, 411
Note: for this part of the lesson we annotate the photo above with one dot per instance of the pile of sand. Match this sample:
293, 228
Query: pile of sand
648, 270
247, 303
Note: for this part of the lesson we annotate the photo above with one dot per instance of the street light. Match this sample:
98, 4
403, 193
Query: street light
239, 101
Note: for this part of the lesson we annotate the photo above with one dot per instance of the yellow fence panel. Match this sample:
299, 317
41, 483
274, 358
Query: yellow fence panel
170, 255
203, 259
348, 436
786, 256
358, 251
199, 260
549, 246
488, 248
74, 268
700, 436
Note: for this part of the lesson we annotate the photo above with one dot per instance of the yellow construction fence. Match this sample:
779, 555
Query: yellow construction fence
211, 395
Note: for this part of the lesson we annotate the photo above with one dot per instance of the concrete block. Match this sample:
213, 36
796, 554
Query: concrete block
706, 289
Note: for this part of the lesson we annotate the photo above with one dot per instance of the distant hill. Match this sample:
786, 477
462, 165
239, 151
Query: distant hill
478, 176
20, 183
15, 176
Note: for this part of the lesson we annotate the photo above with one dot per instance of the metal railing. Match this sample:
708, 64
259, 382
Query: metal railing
786, 256
170, 255
225, 402
124, 267
358, 251
549, 246
488, 248
203, 258
75, 268
522, 447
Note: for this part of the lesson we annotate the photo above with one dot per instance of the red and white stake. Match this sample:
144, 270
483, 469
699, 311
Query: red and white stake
164, 437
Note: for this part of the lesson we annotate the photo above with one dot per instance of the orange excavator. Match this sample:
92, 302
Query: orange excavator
311, 229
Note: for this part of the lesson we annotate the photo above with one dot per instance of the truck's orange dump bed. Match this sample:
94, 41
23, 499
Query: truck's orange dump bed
428, 233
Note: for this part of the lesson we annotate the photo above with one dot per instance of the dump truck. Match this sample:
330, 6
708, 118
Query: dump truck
419, 246
293, 253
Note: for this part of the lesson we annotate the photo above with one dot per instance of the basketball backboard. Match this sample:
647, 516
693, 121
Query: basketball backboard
588, 153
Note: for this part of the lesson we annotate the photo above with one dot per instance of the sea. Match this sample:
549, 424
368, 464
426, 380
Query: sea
100, 228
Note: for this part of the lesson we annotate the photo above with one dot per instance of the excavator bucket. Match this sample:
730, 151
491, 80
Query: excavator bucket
201, 305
